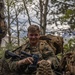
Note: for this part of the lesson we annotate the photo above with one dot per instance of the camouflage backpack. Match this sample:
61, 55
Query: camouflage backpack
56, 42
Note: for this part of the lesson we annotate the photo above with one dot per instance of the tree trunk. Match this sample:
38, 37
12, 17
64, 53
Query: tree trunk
9, 33
24, 2
43, 15
18, 38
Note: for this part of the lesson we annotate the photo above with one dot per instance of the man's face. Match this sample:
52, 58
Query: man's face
33, 37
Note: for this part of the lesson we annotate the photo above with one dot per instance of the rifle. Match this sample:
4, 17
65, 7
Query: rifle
9, 54
32, 67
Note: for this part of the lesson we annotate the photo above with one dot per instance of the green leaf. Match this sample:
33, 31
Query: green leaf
30, 0
69, 12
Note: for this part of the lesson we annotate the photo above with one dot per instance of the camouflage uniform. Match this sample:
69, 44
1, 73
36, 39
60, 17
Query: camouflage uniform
42, 49
68, 63
3, 26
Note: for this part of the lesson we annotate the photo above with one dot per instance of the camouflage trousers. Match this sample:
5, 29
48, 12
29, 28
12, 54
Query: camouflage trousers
43, 69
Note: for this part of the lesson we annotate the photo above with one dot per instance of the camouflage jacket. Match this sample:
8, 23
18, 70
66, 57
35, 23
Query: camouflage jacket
42, 49
3, 29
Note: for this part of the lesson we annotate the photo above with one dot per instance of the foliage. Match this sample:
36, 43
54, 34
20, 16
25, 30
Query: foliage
7, 47
10, 46
69, 13
44, 13
70, 46
30, 1
2, 51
